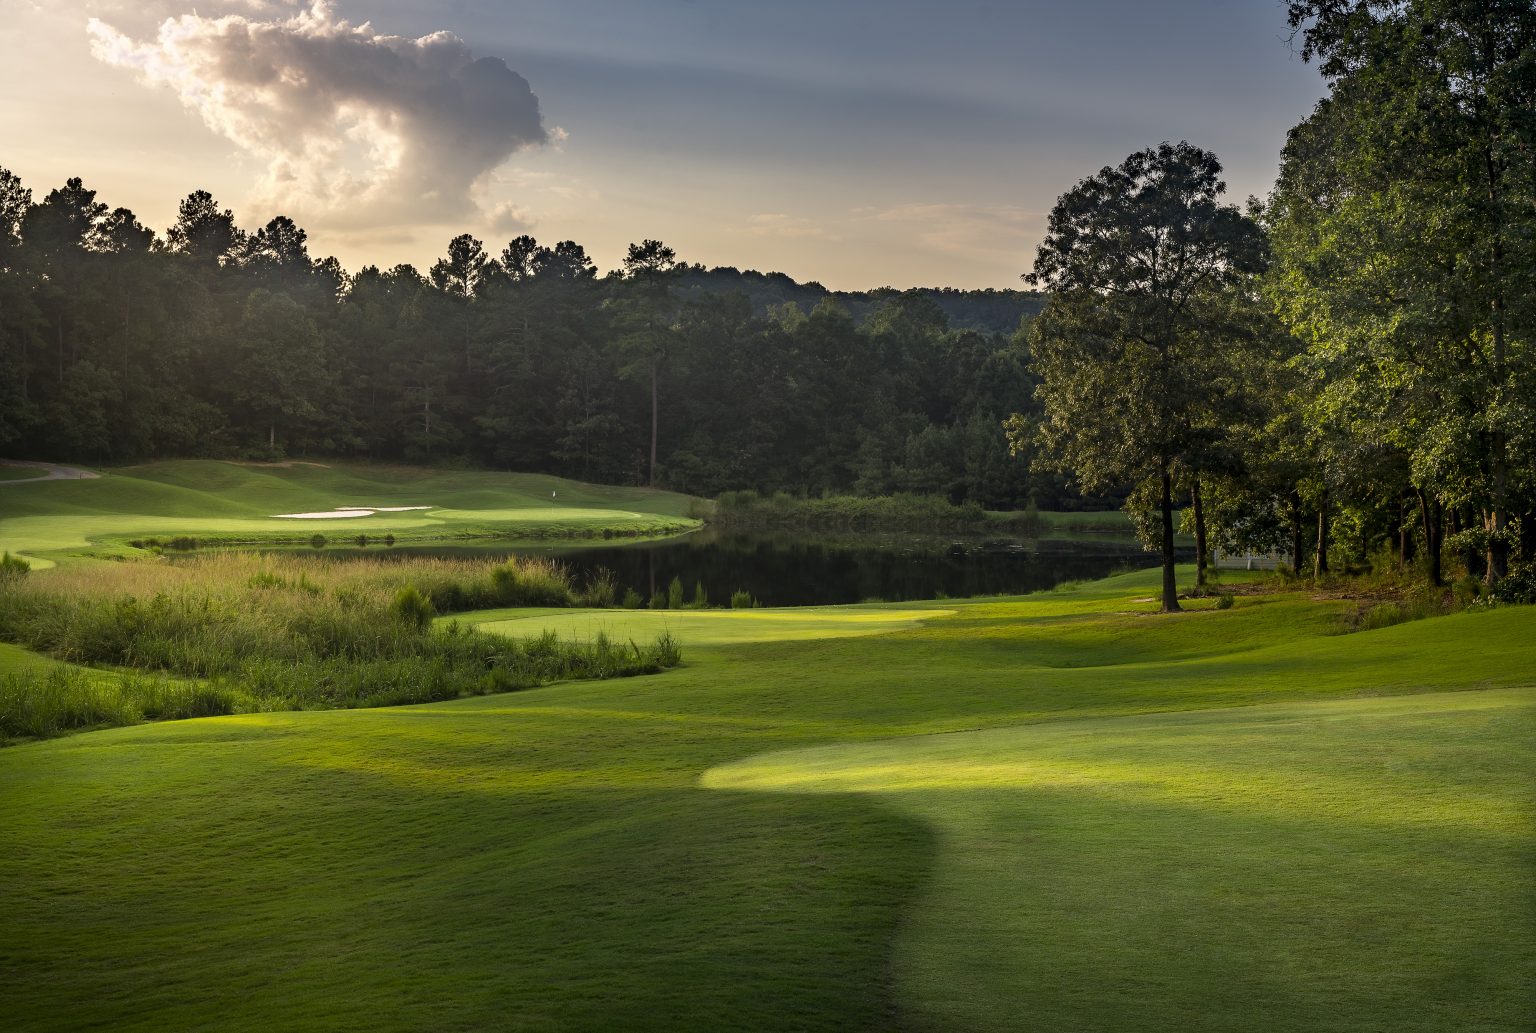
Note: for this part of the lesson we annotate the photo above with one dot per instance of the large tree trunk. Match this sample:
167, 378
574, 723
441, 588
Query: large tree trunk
1170, 579
1429, 512
1200, 550
1320, 560
653, 423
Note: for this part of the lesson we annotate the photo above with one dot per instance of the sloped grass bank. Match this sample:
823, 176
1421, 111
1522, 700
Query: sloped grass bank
222, 503
551, 859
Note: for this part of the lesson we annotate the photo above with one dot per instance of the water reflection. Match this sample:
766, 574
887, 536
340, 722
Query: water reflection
801, 571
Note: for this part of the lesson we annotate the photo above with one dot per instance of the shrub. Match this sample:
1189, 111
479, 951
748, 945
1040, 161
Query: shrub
700, 598
600, 591
1518, 586
1224, 601
530, 583
1466, 590
666, 652
632, 600
413, 608
741, 600
675, 594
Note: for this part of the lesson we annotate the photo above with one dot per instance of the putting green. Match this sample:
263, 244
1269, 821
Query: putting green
236, 502
1180, 843
705, 627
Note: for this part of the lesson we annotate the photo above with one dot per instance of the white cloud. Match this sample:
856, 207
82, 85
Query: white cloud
359, 127
777, 224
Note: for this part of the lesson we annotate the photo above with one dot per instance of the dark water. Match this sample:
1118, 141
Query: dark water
784, 571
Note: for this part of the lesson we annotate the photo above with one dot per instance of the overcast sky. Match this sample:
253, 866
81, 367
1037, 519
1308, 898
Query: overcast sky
853, 142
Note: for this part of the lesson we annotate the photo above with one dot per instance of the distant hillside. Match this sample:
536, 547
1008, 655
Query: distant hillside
990, 310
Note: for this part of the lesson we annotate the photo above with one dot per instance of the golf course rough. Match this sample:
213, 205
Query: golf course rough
1057, 812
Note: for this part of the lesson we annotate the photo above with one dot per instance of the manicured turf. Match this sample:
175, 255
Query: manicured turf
218, 501
16, 660
1236, 869
1109, 838
702, 627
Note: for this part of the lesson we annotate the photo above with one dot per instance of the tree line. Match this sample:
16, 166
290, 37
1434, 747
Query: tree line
1342, 372
119, 344
1346, 370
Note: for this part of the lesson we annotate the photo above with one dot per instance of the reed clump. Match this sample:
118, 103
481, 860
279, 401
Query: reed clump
232, 632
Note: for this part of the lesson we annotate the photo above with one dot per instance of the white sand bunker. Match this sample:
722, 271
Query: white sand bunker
347, 512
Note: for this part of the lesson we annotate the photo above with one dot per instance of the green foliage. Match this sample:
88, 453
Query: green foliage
747, 510
741, 600
221, 342
274, 633
600, 591
58, 700
1150, 309
521, 582
632, 600
1395, 221
412, 608
700, 596
1518, 587
1224, 601
675, 594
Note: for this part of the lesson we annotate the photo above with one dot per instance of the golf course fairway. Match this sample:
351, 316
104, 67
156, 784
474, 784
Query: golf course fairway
706, 627
225, 502
1058, 812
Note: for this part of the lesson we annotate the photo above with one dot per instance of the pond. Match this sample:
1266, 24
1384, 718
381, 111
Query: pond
803, 571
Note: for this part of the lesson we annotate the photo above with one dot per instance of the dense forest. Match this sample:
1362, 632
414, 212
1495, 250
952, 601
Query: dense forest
118, 344
1346, 369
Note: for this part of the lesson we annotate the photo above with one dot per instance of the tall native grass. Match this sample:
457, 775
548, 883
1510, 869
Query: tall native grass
256, 632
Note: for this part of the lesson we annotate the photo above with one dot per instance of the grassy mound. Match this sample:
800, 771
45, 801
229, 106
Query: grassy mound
1133, 842
227, 503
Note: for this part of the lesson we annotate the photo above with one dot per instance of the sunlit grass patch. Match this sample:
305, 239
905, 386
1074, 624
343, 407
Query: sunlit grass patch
710, 627
1307, 866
